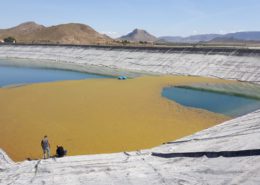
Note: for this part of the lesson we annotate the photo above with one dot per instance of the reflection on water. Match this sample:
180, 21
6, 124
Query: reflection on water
10, 75
215, 102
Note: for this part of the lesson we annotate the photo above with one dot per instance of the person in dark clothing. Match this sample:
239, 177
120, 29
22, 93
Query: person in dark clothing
45, 147
60, 152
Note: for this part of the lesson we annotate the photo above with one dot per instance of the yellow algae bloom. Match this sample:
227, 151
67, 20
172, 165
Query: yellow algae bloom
97, 116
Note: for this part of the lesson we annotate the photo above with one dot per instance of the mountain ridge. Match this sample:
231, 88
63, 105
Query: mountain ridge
77, 33
70, 33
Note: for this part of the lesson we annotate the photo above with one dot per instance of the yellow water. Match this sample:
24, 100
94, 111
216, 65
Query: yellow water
96, 116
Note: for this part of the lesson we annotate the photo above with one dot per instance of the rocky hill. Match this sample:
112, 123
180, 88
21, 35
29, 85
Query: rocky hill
72, 33
139, 35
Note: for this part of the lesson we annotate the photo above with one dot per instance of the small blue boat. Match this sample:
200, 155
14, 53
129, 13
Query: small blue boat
121, 77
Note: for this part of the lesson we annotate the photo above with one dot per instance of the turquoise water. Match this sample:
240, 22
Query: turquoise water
230, 105
12, 75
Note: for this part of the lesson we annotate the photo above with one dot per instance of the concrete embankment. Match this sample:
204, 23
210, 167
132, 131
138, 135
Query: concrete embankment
241, 64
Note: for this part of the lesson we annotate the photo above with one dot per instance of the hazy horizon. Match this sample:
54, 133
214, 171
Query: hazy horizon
160, 18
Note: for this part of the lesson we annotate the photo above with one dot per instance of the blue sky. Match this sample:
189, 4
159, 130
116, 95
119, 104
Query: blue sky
118, 17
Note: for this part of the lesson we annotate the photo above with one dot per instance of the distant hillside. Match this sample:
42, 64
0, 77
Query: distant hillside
247, 36
190, 39
225, 39
71, 33
170, 39
139, 35
236, 37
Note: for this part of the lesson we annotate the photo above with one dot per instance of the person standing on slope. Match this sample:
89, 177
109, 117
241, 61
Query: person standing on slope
45, 147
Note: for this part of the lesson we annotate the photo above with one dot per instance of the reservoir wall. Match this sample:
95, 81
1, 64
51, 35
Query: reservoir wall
241, 64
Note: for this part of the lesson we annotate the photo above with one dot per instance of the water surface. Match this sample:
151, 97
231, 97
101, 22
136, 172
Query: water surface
230, 105
14, 75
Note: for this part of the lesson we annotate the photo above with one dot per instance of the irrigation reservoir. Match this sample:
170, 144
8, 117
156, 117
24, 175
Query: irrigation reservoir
104, 115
